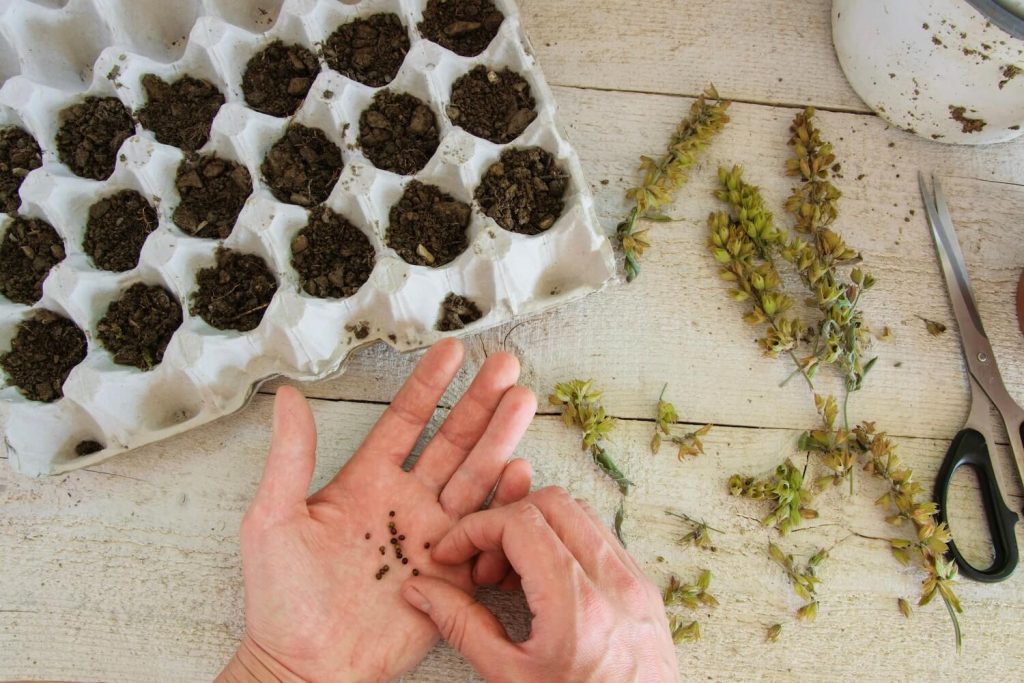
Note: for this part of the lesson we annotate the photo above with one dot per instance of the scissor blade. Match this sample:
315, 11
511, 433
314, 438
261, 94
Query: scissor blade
952, 259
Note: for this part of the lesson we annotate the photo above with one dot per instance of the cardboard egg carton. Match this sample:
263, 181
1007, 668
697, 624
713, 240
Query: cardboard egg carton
54, 54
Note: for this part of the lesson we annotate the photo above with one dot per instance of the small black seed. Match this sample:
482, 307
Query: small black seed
415, 572
391, 514
402, 537
426, 545
394, 541
367, 535
382, 550
405, 560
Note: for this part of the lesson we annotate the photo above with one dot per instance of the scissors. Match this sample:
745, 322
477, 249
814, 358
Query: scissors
971, 445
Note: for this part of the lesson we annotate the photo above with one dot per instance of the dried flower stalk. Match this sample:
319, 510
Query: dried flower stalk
579, 402
699, 534
785, 489
691, 596
664, 177
687, 445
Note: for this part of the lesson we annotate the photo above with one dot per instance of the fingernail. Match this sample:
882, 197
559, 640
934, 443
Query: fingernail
417, 599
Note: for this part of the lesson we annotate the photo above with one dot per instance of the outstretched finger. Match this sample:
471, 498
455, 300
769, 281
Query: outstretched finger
399, 428
289, 468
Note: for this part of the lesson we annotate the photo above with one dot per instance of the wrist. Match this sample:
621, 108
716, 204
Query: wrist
253, 664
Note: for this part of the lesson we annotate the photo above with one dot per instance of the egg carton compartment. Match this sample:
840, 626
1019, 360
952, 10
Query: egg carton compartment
289, 222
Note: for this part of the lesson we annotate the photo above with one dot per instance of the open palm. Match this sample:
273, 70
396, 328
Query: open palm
314, 602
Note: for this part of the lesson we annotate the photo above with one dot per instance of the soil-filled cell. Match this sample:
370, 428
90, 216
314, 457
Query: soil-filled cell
466, 27
29, 250
90, 135
493, 105
181, 113
524, 191
44, 351
428, 227
398, 133
213, 192
278, 78
332, 257
235, 293
117, 228
303, 166
369, 50
457, 312
19, 156
138, 327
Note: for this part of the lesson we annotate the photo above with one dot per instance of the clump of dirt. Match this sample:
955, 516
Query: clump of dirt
369, 50
523, 192
428, 227
493, 105
45, 349
967, 124
235, 293
466, 27
278, 78
19, 156
29, 250
180, 113
85, 448
303, 166
90, 135
213, 192
138, 327
457, 312
398, 133
117, 228
332, 257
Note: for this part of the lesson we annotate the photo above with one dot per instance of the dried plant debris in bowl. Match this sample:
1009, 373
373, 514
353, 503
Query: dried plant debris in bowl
278, 78
457, 312
493, 105
181, 113
29, 250
213, 192
235, 293
19, 156
523, 192
44, 351
428, 227
138, 327
91, 133
466, 27
398, 132
369, 50
332, 257
118, 227
303, 166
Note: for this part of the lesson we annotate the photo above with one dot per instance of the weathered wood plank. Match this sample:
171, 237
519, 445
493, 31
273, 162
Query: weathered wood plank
130, 572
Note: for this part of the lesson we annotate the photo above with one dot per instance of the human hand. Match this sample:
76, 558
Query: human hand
315, 607
596, 617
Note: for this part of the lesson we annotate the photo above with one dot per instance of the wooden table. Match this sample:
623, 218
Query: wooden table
130, 571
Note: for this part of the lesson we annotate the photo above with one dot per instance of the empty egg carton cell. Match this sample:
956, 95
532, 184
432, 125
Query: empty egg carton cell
157, 29
333, 258
369, 50
252, 15
398, 132
180, 113
279, 77
524, 191
44, 351
19, 156
29, 250
466, 27
90, 135
213, 191
491, 104
303, 166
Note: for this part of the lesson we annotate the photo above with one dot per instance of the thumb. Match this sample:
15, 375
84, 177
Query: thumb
292, 458
468, 626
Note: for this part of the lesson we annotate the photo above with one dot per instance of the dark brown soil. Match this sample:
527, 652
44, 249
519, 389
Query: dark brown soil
213, 192
118, 227
303, 166
967, 124
139, 326
398, 133
277, 80
332, 256
45, 350
428, 227
88, 448
90, 135
19, 155
29, 250
235, 293
180, 113
493, 105
369, 50
466, 27
523, 192
457, 312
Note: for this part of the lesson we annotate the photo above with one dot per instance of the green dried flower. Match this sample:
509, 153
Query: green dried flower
683, 632
690, 595
664, 177
688, 445
785, 490
773, 633
699, 534
934, 328
904, 607
578, 400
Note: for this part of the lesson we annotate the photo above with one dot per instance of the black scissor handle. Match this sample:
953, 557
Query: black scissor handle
969, 449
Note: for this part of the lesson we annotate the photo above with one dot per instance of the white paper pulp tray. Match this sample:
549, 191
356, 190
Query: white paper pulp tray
54, 54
